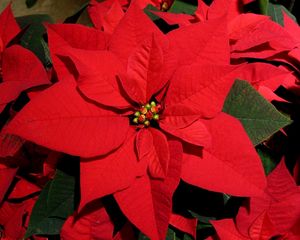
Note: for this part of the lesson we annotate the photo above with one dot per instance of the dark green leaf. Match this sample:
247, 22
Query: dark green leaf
182, 6
30, 3
33, 19
275, 11
148, 10
263, 6
33, 38
54, 205
174, 234
268, 159
259, 117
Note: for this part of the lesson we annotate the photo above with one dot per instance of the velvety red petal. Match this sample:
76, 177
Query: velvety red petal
202, 88
9, 144
291, 27
161, 146
202, 42
137, 205
226, 230
281, 195
109, 174
105, 15
93, 225
156, 160
98, 77
220, 167
6, 177
22, 189
262, 228
62, 36
262, 74
132, 30
21, 70
196, 133
179, 115
61, 119
187, 225
266, 32
240, 26
9, 28
148, 203
202, 11
145, 67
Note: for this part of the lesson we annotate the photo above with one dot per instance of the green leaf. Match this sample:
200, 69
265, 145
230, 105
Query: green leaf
275, 11
182, 6
268, 159
150, 14
33, 19
54, 205
259, 117
33, 38
30, 3
173, 234
263, 6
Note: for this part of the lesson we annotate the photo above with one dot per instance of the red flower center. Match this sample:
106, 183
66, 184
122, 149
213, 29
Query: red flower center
147, 114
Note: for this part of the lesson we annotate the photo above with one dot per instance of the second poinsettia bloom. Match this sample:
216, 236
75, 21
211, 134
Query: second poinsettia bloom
137, 112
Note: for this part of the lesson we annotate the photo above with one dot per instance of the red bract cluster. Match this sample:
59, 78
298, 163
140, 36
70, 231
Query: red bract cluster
153, 123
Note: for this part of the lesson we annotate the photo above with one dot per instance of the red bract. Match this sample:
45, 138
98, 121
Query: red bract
20, 68
16, 210
62, 36
219, 8
274, 213
131, 110
105, 15
255, 36
95, 224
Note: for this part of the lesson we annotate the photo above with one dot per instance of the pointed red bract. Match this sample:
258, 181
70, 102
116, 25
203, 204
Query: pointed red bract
132, 30
105, 15
200, 87
152, 199
6, 177
62, 36
60, 119
116, 171
21, 70
187, 225
100, 83
15, 212
276, 203
206, 42
9, 28
96, 224
226, 230
220, 167
144, 70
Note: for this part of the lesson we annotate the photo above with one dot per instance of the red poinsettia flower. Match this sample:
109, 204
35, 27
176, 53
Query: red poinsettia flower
20, 69
132, 112
273, 214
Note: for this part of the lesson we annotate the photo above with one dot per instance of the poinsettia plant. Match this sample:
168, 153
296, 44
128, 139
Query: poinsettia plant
150, 119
